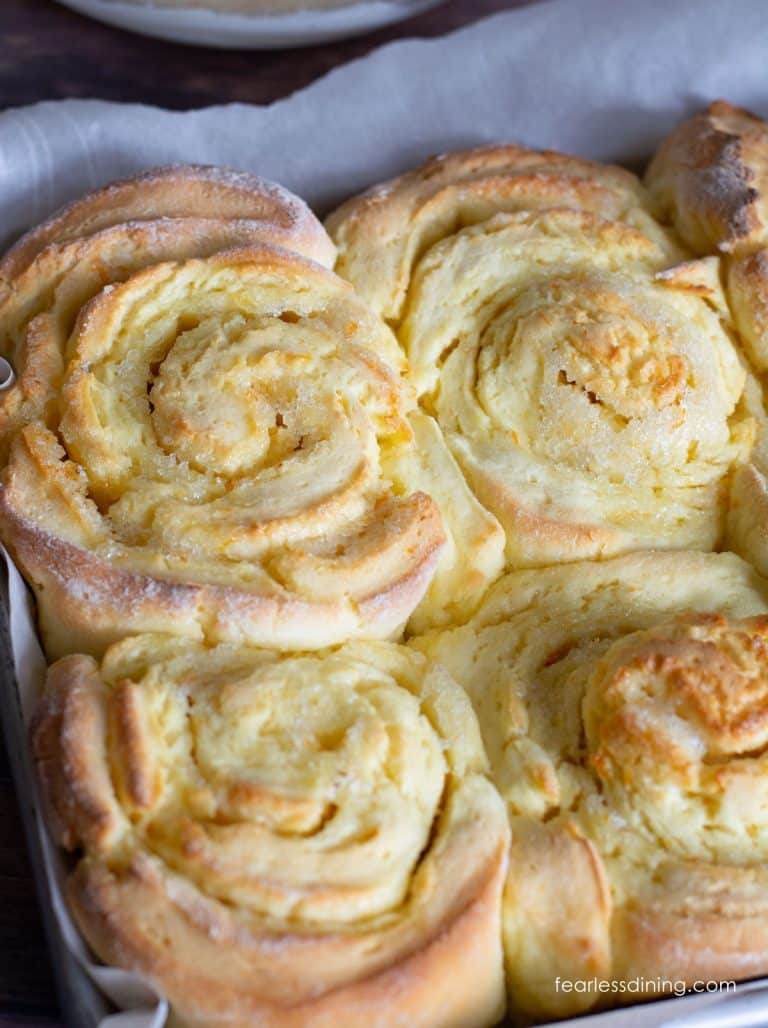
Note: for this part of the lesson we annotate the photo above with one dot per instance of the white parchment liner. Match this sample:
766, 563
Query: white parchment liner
600, 78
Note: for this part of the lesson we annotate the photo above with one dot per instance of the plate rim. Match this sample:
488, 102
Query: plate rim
243, 30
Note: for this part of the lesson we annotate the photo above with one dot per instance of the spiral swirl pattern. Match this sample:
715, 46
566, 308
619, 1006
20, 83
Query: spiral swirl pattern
274, 839
170, 214
676, 726
623, 707
231, 461
581, 369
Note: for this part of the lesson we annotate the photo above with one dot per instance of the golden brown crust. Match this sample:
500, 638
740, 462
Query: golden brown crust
87, 603
178, 192
696, 924
708, 178
335, 858
623, 708
78, 813
425, 987
550, 932
232, 462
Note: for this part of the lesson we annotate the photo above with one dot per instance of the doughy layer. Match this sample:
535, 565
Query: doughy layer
226, 464
623, 708
281, 840
172, 213
579, 365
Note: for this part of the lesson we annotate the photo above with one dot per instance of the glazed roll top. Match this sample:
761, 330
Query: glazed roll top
580, 366
280, 840
224, 461
169, 214
710, 180
623, 708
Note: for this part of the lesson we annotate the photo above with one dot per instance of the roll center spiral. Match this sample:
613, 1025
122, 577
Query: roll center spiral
676, 722
581, 375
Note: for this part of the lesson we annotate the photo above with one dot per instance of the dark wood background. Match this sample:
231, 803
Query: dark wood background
48, 52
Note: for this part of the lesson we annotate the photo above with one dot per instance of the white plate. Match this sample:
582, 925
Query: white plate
253, 31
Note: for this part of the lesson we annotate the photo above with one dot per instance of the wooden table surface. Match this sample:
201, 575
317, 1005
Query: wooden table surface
49, 52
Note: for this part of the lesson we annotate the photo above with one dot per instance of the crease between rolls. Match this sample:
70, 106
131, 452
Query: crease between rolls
709, 180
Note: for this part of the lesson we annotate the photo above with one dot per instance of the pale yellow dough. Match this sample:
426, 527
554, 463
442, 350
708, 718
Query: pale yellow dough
280, 840
234, 477
623, 708
210, 434
581, 366
228, 458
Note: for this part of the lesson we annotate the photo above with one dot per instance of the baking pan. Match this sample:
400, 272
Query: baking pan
82, 1005
517, 76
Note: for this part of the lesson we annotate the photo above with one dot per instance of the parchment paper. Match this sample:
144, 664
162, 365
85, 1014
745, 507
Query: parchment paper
601, 78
